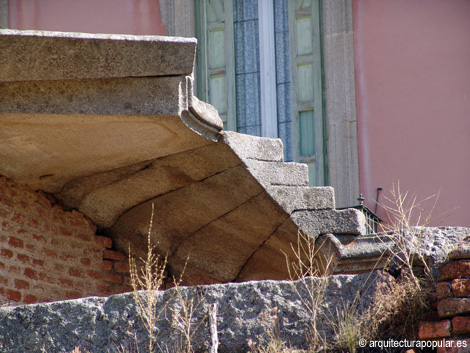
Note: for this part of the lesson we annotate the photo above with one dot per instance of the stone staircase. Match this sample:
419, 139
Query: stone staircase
111, 134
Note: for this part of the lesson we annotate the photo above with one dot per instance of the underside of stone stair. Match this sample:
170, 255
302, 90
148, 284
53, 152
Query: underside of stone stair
110, 126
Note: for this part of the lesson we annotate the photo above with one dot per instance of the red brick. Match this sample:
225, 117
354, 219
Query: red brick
85, 261
18, 218
461, 287
454, 269
30, 299
14, 270
121, 267
104, 289
122, 289
43, 277
65, 282
39, 237
13, 295
84, 236
3, 280
106, 265
443, 290
33, 223
453, 306
30, 273
113, 255
20, 284
74, 272
432, 330
2, 266
38, 263
16, 243
31, 247
114, 278
49, 253
25, 259
94, 274
461, 325
65, 232
103, 241
6, 253
72, 295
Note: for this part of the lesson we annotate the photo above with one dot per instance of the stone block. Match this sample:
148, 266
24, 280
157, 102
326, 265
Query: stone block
454, 269
254, 147
107, 96
433, 330
278, 173
314, 223
461, 287
453, 306
292, 198
354, 254
42, 55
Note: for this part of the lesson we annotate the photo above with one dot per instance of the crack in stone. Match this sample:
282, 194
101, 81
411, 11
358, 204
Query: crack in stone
259, 247
214, 220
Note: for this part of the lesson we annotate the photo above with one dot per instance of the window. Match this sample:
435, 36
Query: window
265, 83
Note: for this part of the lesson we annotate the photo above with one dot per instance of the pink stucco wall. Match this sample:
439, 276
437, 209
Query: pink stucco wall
412, 61
92, 16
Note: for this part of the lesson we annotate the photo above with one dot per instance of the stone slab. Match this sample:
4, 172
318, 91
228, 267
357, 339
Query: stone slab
111, 96
41, 55
254, 147
222, 248
314, 223
293, 198
246, 311
278, 173
182, 212
47, 151
107, 195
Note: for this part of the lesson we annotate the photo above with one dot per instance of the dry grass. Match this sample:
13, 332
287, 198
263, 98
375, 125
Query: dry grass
146, 280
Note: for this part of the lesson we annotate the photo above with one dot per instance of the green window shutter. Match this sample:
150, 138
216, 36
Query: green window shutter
307, 116
215, 57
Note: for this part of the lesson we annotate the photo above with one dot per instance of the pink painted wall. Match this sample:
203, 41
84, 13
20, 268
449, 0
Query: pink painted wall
92, 16
412, 61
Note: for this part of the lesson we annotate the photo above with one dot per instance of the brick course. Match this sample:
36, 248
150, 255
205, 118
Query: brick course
47, 253
453, 292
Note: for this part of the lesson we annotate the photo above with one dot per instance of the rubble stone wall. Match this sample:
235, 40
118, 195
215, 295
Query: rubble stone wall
47, 253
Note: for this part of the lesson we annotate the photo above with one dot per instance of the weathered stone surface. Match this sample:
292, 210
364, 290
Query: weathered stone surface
245, 313
293, 198
42, 55
111, 96
354, 254
314, 223
436, 242
278, 173
106, 196
47, 151
253, 147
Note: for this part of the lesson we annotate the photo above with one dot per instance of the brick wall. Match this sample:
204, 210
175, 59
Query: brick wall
453, 306
49, 254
